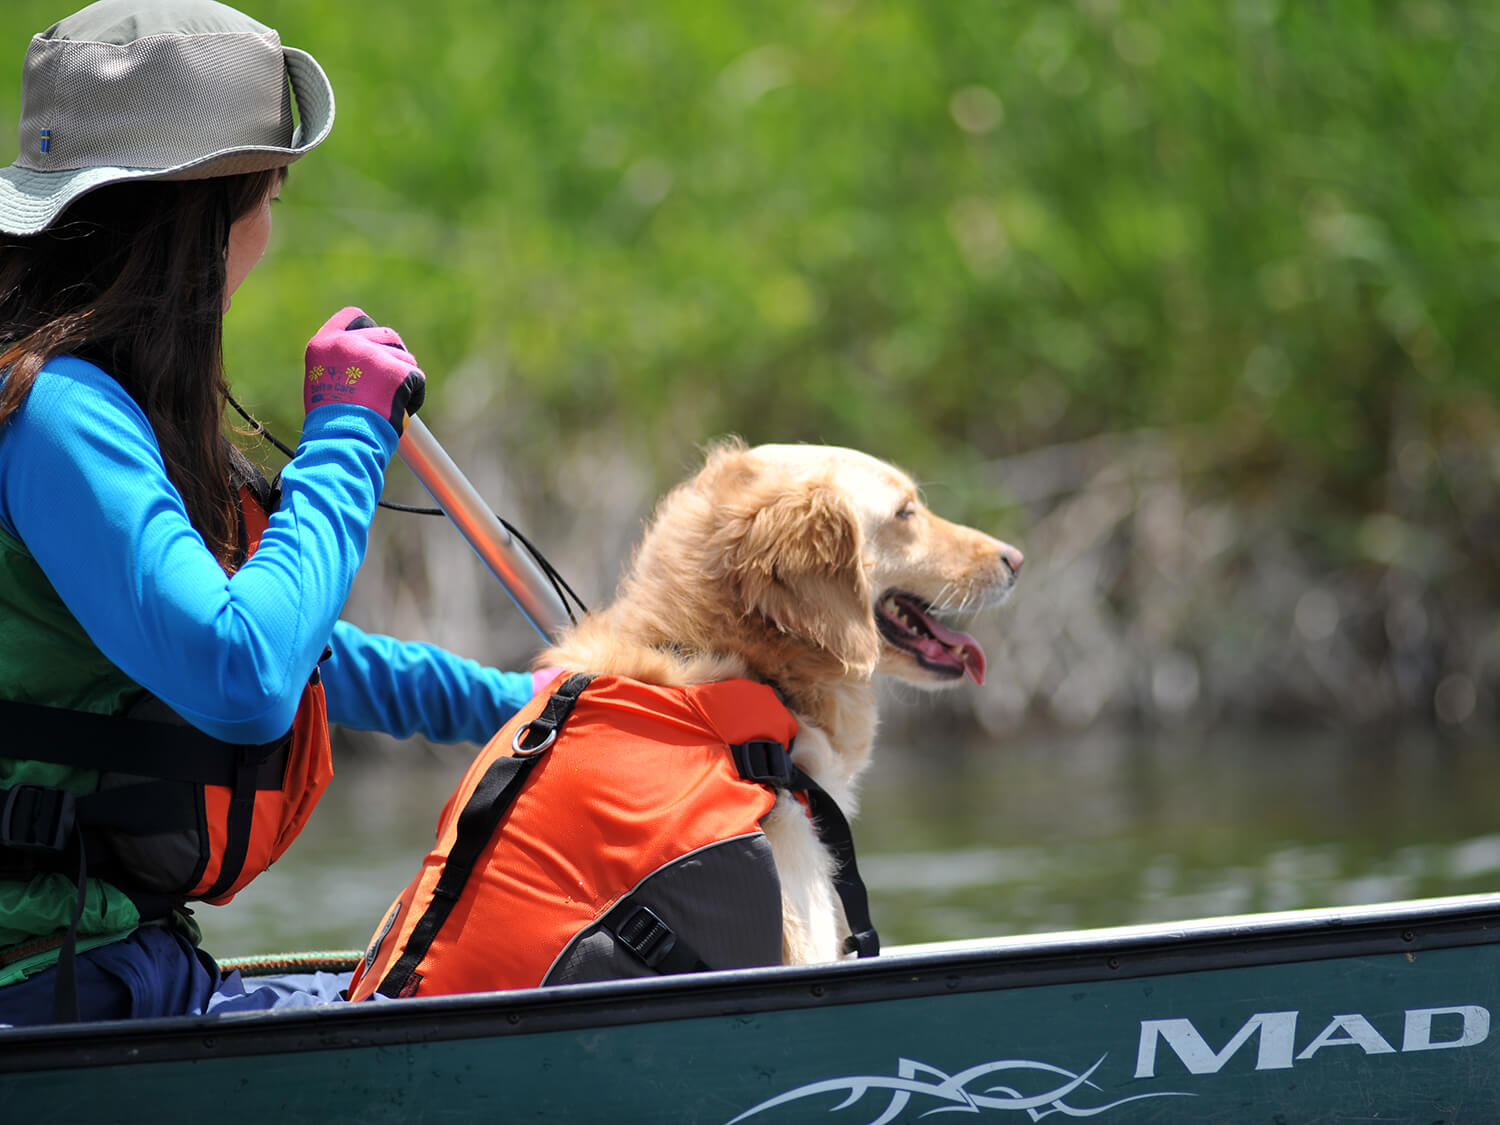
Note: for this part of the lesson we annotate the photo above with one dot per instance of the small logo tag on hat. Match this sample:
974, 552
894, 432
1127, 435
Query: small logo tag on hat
46, 140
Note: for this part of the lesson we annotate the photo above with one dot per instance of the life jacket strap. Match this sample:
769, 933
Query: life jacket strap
37, 818
833, 831
770, 763
46, 830
640, 929
65, 1006
146, 747
37, 823
238, 823
40, 820
765, 761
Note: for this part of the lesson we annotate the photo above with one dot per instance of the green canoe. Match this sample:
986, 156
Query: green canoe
1377, 1013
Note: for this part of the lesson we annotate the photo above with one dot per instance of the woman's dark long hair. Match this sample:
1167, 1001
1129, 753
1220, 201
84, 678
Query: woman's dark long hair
131, 278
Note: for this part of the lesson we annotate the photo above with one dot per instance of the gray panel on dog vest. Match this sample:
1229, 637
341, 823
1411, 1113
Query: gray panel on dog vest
723, 900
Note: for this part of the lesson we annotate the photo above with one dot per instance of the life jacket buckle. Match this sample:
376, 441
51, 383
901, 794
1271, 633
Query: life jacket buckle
765, 761
37, 818
646, 935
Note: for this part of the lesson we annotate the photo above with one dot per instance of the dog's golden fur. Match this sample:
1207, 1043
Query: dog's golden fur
770, 564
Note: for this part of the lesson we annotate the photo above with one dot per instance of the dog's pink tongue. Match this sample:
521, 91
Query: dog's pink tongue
962, 646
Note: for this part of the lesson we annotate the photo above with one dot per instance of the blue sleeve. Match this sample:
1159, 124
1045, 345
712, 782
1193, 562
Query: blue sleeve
83, 486
404, 688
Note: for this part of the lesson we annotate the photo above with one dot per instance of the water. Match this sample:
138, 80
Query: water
1005, 837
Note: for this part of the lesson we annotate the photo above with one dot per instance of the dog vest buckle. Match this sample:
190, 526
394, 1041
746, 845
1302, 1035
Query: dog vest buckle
764, 761
646, 935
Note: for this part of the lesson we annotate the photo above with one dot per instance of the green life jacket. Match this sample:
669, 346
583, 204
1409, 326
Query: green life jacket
46, 658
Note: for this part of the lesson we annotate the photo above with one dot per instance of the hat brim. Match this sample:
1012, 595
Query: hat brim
31, 201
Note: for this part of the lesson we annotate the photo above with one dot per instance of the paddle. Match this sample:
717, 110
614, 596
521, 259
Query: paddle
523, 580
535, 596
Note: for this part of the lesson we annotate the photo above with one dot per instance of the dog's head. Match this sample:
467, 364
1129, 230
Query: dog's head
837, 551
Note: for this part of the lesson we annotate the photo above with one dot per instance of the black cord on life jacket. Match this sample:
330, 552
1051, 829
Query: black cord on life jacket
565, 593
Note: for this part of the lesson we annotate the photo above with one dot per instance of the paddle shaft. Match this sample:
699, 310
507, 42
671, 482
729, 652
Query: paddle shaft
517, 571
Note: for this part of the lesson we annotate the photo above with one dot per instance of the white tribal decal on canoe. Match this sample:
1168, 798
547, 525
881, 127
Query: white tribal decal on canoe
954, 1088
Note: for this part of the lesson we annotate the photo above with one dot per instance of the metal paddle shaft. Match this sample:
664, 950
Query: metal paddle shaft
529, 588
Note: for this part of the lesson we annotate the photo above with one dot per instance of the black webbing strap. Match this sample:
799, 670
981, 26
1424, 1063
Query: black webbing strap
37, 820
238, 823
65, 1007
136, 810
833, 831
171, 751
481, 815
765, 761
640, 929
162, 754
37, 823
770, 763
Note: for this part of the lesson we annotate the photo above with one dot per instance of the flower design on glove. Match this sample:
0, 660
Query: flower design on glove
315, 374
352, 375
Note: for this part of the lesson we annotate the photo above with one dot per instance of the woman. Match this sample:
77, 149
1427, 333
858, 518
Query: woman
168, 623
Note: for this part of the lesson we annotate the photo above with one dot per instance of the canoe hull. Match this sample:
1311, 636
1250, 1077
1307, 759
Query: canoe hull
1380, 1013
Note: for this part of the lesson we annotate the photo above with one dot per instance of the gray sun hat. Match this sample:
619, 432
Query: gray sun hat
155, 90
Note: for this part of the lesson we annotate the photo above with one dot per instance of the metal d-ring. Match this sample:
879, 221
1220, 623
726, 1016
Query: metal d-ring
520, 751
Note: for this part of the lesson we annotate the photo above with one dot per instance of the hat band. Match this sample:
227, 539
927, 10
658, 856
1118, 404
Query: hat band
159, 102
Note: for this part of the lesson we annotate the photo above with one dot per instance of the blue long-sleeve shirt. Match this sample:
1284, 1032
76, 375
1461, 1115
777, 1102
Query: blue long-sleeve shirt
83, 486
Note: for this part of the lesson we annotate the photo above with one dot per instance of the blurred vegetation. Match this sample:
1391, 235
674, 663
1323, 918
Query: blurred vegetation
1263, 232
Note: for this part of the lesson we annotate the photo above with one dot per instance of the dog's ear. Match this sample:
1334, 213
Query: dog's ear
792, 551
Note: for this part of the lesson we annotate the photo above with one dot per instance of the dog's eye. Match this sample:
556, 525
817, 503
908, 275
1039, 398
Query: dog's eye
906, 512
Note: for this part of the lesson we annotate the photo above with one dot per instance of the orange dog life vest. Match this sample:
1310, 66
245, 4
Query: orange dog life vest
611, 829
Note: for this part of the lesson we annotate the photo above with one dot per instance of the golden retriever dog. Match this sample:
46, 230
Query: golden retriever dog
812, 569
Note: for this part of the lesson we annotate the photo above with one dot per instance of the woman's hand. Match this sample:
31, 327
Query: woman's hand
367, 367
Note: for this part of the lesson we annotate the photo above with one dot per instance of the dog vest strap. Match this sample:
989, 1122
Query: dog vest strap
770, 763
762, 760
501, 783
833, 831
538, 734
640, 929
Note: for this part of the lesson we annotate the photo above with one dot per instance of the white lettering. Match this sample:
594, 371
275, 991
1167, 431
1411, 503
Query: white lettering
1359, 1033
1475, 1028
1277, 1030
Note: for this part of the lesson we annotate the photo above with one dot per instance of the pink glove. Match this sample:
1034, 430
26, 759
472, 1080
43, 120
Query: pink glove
353, 361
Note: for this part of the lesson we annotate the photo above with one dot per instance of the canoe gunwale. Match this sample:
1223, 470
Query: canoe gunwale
906, 972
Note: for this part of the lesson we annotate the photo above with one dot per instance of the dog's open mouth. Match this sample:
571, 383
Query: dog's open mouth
906, 621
